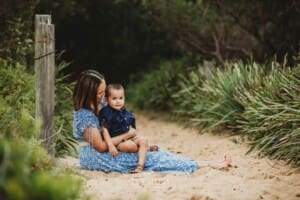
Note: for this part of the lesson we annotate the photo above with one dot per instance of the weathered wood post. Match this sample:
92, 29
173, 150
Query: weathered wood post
44, 75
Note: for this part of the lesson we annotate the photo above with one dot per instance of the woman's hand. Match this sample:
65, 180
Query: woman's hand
125, 136
92, 136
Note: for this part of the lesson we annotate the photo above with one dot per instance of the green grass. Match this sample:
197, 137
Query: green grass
260, 101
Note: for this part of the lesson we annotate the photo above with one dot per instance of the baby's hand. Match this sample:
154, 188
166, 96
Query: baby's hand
113, 150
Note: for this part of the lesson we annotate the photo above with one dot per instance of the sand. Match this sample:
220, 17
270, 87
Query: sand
249, 178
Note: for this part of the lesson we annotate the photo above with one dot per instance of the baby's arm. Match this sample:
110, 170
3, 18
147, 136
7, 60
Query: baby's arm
125, 136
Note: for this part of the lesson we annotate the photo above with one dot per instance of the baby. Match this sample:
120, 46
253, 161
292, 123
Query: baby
116, 120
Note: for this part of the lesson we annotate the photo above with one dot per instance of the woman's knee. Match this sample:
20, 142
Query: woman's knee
101, 149
100, 146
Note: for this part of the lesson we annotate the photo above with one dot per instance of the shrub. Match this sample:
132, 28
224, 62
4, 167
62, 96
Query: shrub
17, 98
24, 173
271, 117
17, 102
25, 167
259, 101
209, 95
156, 87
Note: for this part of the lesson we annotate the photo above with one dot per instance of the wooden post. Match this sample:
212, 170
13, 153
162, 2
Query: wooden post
44, 75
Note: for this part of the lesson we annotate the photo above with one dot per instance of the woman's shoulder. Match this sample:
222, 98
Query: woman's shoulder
84, 118
84, 113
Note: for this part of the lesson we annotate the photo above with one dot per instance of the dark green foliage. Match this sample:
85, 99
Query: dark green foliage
17, 98
226, 30
17, 102
25, 167
16, 31
116, 38
188, 93
157, 87
214, 100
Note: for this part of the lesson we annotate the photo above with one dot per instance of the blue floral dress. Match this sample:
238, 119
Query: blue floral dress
90, 159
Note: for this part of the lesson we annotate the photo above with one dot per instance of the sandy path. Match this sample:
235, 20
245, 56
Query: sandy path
250, 178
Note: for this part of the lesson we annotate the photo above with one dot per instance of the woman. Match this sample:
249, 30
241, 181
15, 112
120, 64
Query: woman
93, 155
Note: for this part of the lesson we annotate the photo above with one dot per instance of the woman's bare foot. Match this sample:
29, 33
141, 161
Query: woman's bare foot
226, 163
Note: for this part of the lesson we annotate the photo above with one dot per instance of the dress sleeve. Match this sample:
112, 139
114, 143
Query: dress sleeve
82, 120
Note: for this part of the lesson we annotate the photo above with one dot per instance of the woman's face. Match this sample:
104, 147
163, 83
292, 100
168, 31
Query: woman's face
101, 91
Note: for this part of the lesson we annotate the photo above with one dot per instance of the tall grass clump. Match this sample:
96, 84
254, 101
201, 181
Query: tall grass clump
272, 115
65, 143
209, 96
189, 89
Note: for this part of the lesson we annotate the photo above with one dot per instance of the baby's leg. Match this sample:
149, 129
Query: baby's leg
143, 141
128, 146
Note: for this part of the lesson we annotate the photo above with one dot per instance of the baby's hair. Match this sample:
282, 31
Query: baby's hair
113, 86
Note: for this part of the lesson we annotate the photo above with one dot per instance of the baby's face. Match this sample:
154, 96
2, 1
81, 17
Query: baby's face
116, 99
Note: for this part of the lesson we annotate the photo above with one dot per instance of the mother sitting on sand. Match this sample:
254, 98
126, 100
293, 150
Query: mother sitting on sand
93, 151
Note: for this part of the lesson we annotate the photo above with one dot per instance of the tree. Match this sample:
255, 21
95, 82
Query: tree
115, 37
224, 30
16, 30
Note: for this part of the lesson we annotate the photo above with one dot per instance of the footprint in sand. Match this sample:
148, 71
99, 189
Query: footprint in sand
200, 197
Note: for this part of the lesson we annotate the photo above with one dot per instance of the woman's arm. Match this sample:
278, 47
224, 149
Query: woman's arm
92, 135
120, 138
96, 141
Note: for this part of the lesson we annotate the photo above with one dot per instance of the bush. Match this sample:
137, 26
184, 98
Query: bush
271, 117
212, 94
258, 101
156, 87
16, 25
17, 98
17, 102
24, 173
25, 167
